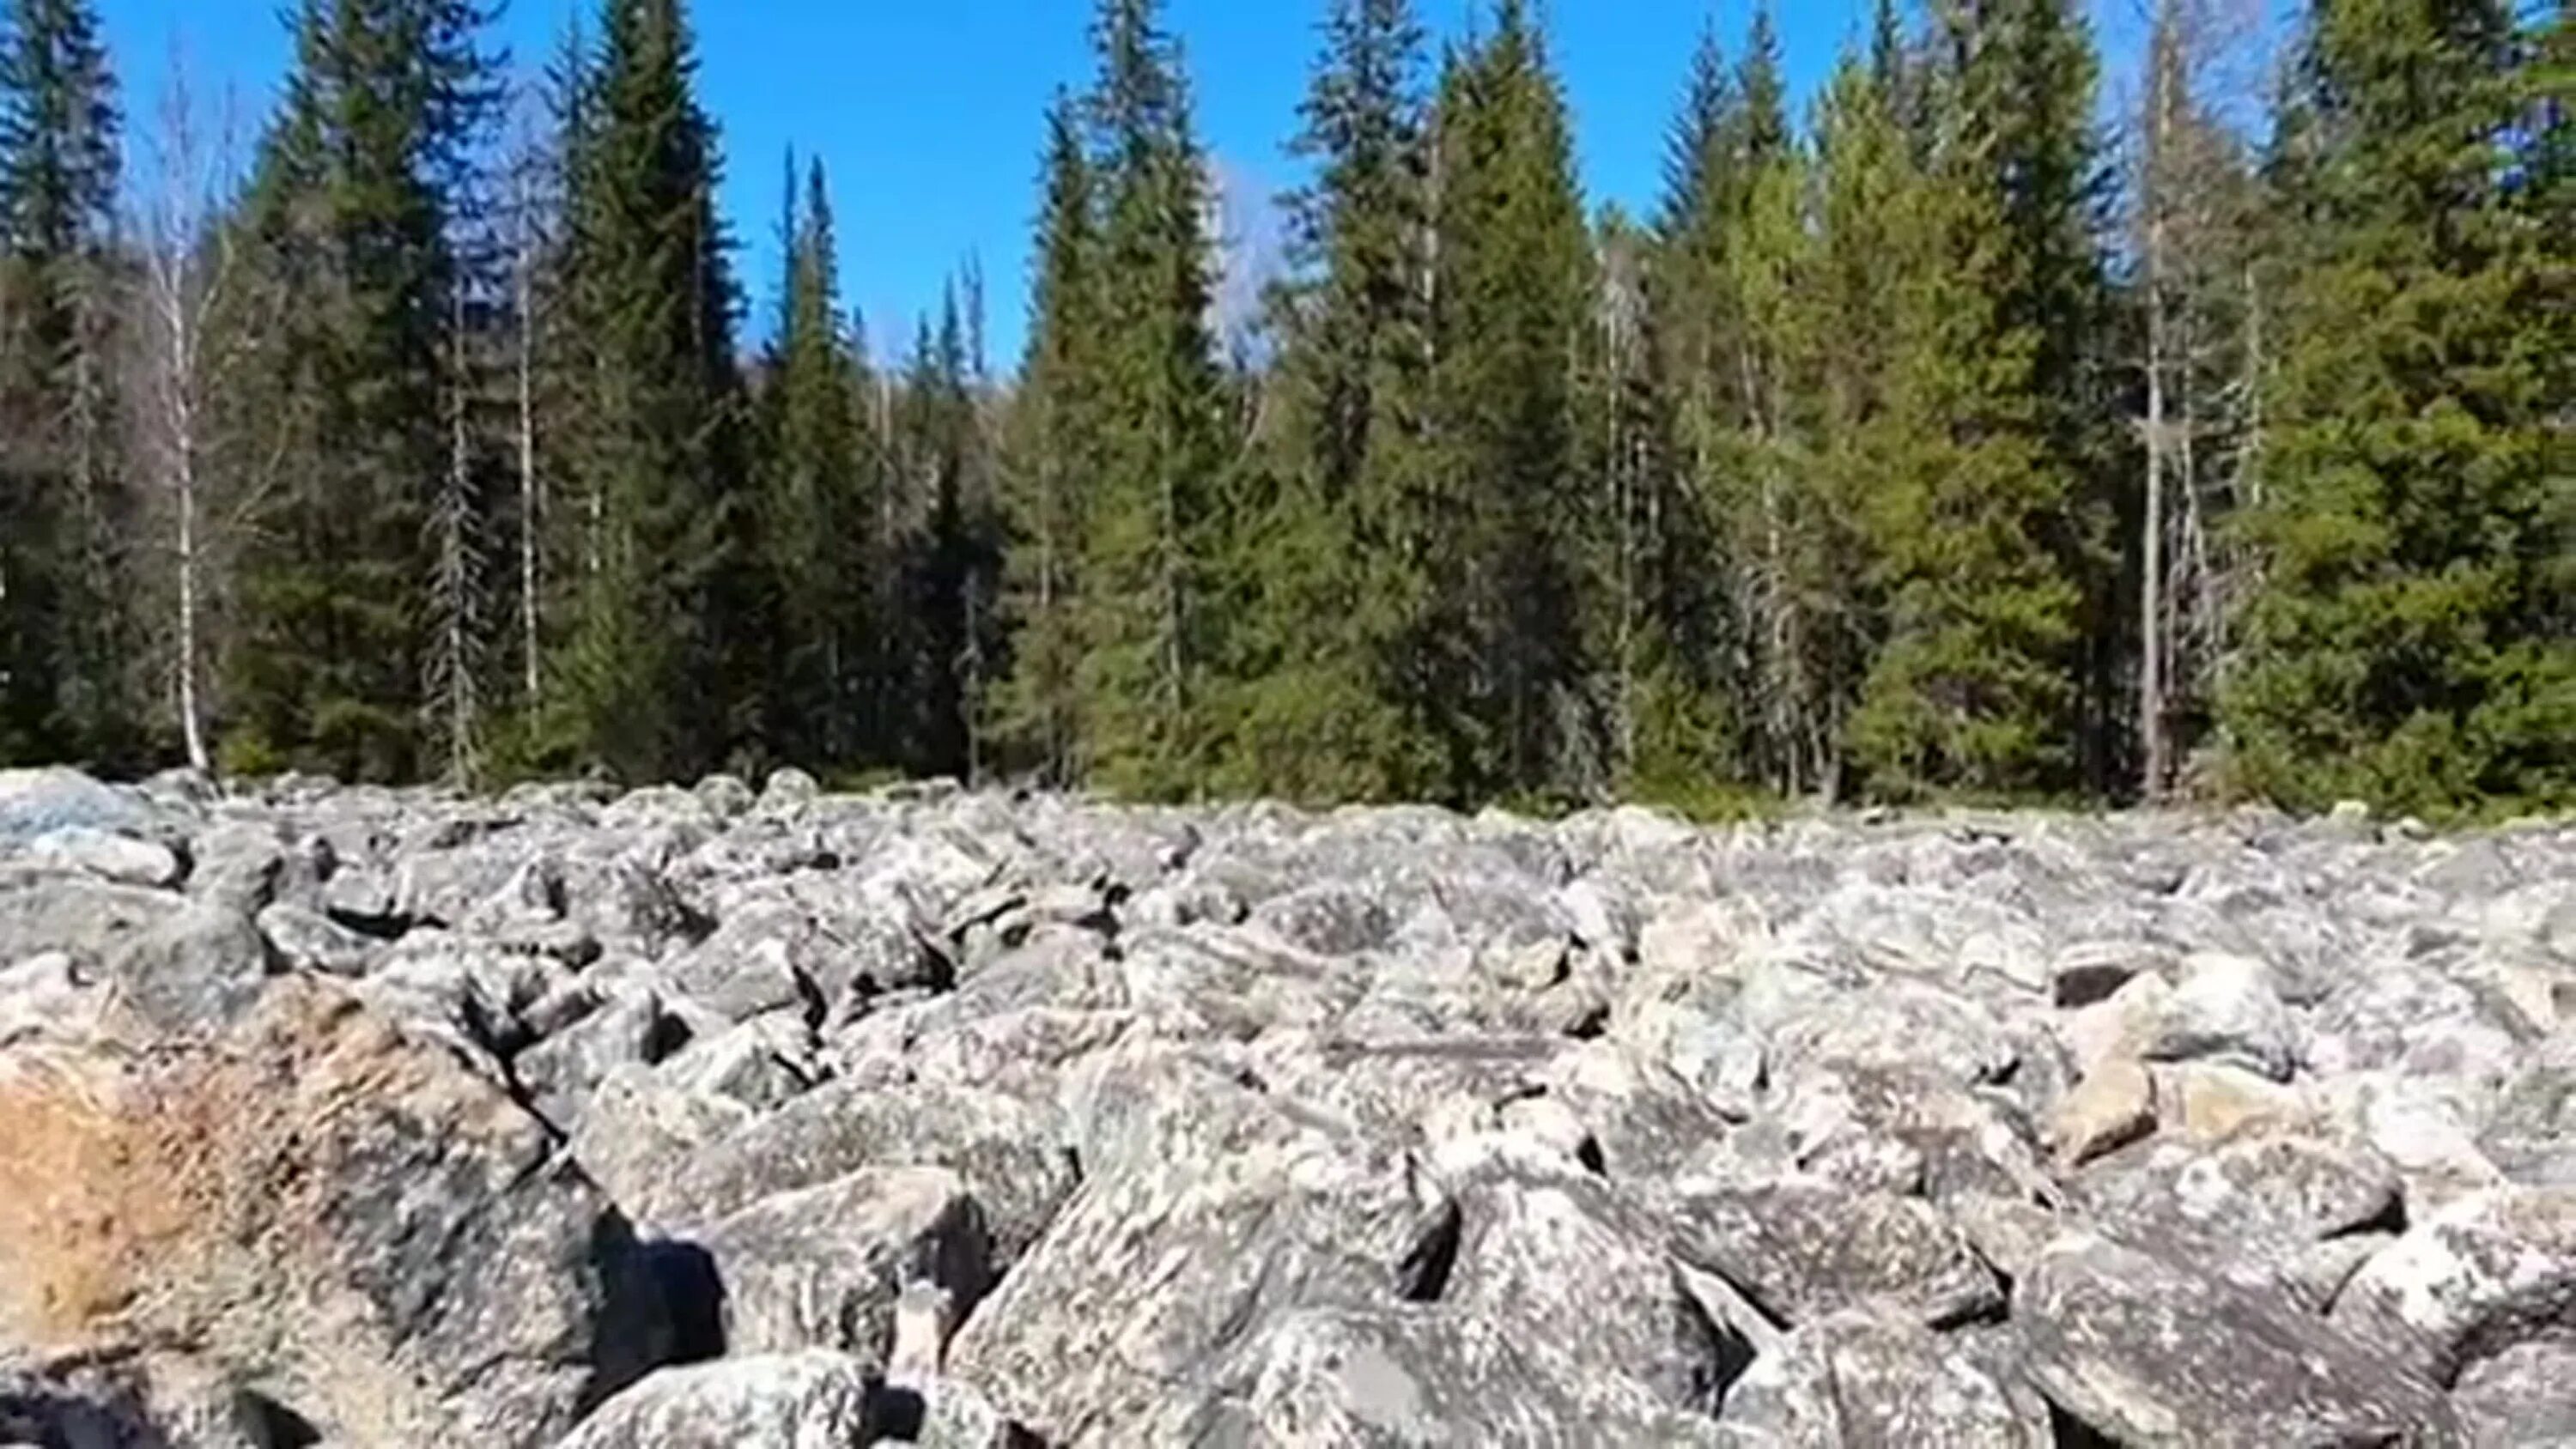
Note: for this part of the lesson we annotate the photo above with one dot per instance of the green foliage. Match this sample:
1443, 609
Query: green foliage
1047, 471
666, 640
66, 625
1820, 483
2410, 643
351, 217
1150, 518
818, 501
1499, 668
1313, 706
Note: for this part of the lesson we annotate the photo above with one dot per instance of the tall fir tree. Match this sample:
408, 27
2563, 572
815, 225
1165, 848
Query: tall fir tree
1049, 470
1502, 670
2025, 87
665, 627
1973, 684
350, 217
1316, 709
948, 555
2410, 640
817, 501
64, 617
1150, 526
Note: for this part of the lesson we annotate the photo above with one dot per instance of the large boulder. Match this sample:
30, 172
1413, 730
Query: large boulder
2143, 1350
1805, 1251
1865, 1381
298, 1200
825, 1266
2481, 1276
810, 1400
1216, 1217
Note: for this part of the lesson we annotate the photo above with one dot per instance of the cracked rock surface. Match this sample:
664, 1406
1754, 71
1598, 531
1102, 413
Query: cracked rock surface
721, 1116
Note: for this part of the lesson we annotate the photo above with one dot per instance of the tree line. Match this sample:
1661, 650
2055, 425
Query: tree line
1949, 440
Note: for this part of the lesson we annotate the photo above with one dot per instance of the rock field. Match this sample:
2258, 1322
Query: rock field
724, 1118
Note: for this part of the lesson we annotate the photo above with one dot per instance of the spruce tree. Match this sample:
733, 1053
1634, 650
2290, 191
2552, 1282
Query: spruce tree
1049, 470
350, 218
1973, 686
1328, 581
949, 552
2025, 87
1149, 529
664, 629
1512, 281
65, 636
816, 507
2410, 640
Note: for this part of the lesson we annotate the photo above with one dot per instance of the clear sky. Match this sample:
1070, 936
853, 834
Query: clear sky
928, 112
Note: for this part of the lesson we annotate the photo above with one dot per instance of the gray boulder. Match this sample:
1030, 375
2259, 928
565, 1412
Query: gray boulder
823, 1267
2146, 1351
300, 1198
1133, 1293
1806, 1251
1858, 1380
2478, 1277
810, 1400
36, 803
194, 971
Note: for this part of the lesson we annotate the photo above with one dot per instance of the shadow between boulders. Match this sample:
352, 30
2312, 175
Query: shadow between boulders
1423, 1276
664, 1305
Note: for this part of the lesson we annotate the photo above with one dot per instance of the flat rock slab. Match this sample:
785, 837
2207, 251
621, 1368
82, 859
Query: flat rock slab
1859, 1380
812, 1400
2147, 1351
1802, 1252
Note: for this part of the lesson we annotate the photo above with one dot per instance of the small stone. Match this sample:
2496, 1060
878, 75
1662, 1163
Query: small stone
2226, 1008
2484, 1274
2091, 971
2112, 1107
810, 1400
109, 856
2214, 1102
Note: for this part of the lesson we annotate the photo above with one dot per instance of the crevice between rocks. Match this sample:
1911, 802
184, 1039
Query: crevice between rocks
1423, 1276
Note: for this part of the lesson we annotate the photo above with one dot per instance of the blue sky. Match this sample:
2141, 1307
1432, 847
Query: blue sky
927, 112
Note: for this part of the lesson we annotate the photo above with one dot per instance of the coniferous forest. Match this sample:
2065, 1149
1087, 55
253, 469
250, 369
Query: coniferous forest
1993, 425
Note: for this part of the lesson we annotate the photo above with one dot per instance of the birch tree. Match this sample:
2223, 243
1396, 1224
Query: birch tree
177, 355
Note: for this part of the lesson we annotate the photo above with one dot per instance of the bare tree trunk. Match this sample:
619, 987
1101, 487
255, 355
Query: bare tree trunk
531, 503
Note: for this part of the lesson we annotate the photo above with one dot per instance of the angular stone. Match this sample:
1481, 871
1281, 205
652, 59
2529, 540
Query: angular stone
810, 1400
193, 972
1856, 1380
2112, 1107
2146, 1351
2214, 1102
1803, 1252
108, 856
313, 1199
1403, 1374
2090, 971
2520, 1396
634, 1135
763, 1063
2487, 1273
38, 802
1017, 1173
1134, 1292
2251, 1209
2225, 1008
308, 940
1540, 1245
824, 1267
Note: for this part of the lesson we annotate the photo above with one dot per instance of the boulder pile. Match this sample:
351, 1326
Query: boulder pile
715, 1117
